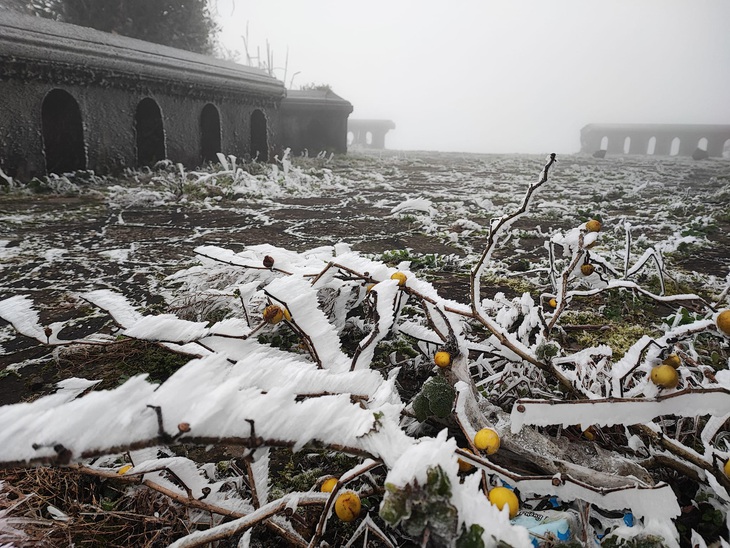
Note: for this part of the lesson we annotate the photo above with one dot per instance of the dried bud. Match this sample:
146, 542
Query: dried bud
520, 408
268, 261
183, 427
273, 314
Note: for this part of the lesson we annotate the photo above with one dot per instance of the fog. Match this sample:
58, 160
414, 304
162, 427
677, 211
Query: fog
507, 76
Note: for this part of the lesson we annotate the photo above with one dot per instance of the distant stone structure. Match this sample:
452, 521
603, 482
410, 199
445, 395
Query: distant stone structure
315, 120
75, 98
369, 133
655, 139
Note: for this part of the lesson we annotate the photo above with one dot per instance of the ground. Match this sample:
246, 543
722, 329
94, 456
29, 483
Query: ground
431, 210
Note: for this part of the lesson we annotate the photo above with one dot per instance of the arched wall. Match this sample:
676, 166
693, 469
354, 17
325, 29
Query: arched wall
109, 76
109, 126
641, 138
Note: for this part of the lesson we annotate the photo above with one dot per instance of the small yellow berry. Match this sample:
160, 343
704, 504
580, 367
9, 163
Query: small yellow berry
726, 468
328, 485
587, 269
664, 376
442, 358
501, 496
552, 303
400, 276
465, 466
672, 360
487, 440
273, 314
594, 225
347, 506
723, 322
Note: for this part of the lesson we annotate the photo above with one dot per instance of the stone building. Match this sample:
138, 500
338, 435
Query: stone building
315, 120
368, 133
656, 139
75, 98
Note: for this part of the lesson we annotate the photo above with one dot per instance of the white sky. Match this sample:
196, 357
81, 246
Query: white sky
499, 76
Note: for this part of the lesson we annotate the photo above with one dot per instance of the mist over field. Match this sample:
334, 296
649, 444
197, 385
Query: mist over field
500, 77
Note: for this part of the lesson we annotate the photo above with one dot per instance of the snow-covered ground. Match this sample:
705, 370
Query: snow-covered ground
171, 240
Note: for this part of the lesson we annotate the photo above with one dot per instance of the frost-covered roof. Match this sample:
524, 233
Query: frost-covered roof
316, 98
358, 123
705, 128
42, 41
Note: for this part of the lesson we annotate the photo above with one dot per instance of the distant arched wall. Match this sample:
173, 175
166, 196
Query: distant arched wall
150, 132
63, 132
654, 139
259, 136
210, 133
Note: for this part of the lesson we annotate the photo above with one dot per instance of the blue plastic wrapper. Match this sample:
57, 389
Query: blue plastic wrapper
546, 525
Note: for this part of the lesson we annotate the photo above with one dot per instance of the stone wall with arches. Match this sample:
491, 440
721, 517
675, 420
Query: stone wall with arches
699, 141
75, 98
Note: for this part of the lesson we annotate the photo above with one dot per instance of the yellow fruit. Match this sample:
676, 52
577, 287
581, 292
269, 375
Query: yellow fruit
499, 496
463, 465
124, 469
723, 322
593, 225
553, 303
590, 433
664, 376
442, 358
273, 314
400, 276
727, 468
587, 269
347, 506
369, 287
328, 485
672, 360
487, 440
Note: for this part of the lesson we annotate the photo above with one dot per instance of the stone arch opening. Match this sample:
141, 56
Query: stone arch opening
350, 138
674, 149
369, 138
703, 143
210, 133
259, 136
604, 142
627, 145
150, 132
63, 133
651, 146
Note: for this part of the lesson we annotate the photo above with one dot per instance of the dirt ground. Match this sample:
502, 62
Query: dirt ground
56, 245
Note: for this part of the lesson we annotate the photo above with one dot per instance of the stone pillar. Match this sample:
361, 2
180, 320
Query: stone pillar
687, 144
715, 146
615, 143
378, 139
663, 144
